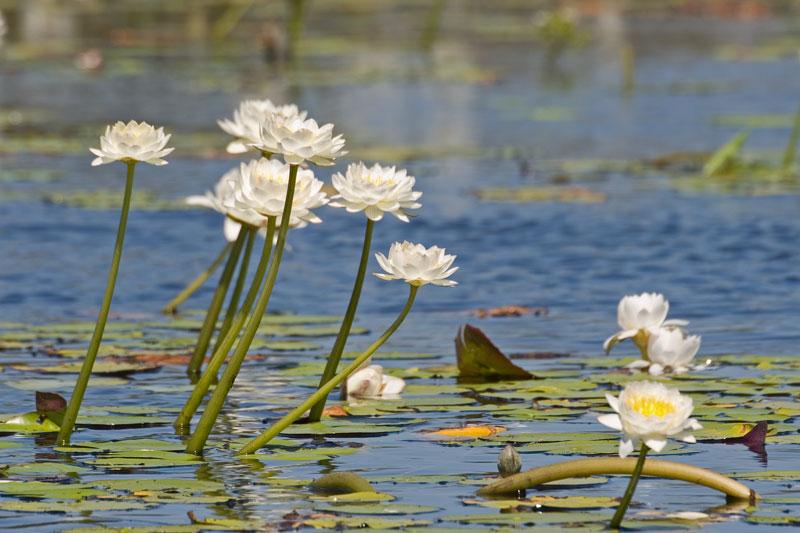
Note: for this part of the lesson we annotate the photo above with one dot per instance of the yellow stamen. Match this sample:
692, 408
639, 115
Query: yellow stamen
649, 406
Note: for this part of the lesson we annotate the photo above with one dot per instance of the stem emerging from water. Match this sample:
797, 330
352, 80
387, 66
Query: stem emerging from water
344, 331
626, 498
172, 307
214, 307
323, 391
198, 440
71, 414
233, 304
183, 420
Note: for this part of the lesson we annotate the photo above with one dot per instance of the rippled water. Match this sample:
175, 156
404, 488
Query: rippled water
479, 101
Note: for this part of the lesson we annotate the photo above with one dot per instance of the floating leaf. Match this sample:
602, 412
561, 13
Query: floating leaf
531, 193
479, 358
471, 432
379, 509
341, 483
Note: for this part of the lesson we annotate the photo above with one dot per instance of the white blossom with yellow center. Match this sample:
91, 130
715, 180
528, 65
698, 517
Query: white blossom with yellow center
247, 120
261, 188
417, 265
132, 143
650, 412
375, 190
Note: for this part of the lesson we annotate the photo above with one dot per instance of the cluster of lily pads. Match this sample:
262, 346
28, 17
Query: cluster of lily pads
270, 194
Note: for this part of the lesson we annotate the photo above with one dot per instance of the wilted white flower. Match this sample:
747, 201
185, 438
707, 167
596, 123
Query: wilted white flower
371, 382
299, 140
375, 190
650, 412
670, 350
246, 123
639, 315
261, 188
417, 265
134, 141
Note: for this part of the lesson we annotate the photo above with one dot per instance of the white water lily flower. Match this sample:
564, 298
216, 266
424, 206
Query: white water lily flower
639, 315
132, 142
261, 188
216, 200
650, 412
417, 265
371, 382
299, 140
671, 350
246, 123
375, 190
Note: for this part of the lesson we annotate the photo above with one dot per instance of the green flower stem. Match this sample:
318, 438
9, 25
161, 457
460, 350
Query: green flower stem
198, 439
233, 304
323, 391
214, 307
172, 307
347, 323
184, 419
614, 465
626, 498
71, 414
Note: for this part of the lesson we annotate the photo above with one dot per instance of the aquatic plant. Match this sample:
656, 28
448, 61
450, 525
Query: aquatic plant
640, 315
413, 263
245, 126
374, 191
647, 412
129, 143
260, 189
371, 382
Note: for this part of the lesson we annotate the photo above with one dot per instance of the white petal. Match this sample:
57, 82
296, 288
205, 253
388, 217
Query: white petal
656, 369
656, 444
611, 420
625, 447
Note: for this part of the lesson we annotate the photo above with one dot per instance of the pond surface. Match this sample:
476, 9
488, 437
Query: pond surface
468, 100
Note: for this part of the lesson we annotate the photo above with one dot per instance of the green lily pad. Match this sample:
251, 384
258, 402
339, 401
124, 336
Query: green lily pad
379, 509
341, 483
22, 469
69, 507
27, 423
105, 368
355, 497
363, 522
42, 489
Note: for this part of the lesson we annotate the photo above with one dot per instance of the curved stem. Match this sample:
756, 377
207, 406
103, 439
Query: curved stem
71, 413
323, 391
214, 307
184, 419
233, 304
614, 465
626, 498
172, 307
347, 323
214, 406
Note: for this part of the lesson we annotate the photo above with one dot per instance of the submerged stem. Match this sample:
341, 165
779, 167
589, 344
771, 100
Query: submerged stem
172, 307
233, 304
323, 391
198, 440
183, 420
347, 323
71, 413
214, 307
626, 498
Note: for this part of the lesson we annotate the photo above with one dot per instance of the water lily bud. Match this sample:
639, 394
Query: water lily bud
509, 462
